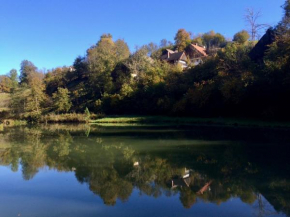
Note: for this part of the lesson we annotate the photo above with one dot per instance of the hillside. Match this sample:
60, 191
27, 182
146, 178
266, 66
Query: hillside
4, 101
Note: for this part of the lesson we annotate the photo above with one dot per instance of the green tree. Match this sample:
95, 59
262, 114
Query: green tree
284, 26
37, 97
26, 69
19, 101
61, 100
213, 40
102, 59
182, 39
198, 40
14, 78
241, 37
122, 50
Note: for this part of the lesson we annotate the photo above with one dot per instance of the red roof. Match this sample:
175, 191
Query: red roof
199, 49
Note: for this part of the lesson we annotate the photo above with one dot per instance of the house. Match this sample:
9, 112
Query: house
196, 54
181, 181
175, 57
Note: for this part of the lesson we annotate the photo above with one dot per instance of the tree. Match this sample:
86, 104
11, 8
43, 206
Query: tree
152, 48
165, 43
37, 96
26, 69
5, 84
122, 50
198, 40
182, 39
213, 40
251, 18
284, 25
14, 78
102, 60
241, 37
139, 62
61, 100
102, 57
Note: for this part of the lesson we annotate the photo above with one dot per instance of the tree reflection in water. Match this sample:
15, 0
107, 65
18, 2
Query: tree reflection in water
200, 164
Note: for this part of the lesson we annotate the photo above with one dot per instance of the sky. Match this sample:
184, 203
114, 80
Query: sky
52, 33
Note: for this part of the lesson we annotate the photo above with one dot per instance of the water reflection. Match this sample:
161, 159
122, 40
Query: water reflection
197, 164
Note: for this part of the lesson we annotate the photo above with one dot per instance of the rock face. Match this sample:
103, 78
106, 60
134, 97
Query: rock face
258, 52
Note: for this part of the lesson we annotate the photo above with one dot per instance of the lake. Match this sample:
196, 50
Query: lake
142, 170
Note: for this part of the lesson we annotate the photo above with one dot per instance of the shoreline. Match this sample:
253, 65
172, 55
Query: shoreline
163, 120
231, 122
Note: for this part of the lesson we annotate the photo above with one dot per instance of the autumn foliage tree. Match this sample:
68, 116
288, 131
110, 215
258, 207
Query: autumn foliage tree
182, 39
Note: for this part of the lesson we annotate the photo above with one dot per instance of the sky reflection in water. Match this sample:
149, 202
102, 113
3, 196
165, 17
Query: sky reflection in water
63, 170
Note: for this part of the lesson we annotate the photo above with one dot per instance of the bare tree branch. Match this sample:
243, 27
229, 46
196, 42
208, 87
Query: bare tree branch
251, 18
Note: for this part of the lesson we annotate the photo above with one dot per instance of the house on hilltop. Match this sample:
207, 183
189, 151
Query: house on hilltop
175, 57
196, 54
193, 54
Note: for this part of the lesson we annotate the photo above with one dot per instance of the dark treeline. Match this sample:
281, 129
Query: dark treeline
228, 81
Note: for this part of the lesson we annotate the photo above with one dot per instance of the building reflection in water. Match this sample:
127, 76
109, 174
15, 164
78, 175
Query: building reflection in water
163, 163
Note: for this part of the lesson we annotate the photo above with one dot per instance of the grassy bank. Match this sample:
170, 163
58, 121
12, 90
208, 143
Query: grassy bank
190, 120
11, 123
125, 120
63, 118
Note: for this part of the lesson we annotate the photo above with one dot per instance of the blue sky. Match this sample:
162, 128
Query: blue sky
52, 33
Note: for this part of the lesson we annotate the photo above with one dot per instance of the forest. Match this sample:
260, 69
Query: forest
243, 77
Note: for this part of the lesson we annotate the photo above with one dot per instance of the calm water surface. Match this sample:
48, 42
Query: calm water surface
103, 171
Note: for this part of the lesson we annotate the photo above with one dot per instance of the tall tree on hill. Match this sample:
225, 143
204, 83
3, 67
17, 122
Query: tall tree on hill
14, 79
122, 50
102, 56
26, 69
102, 59
182, 39
37, 96
251, 18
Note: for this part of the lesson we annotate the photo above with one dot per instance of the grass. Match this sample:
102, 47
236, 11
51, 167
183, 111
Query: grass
12, 123
190, 120
63, 118
4, 101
